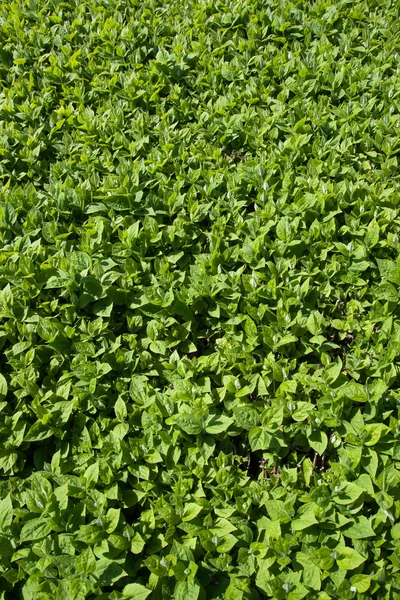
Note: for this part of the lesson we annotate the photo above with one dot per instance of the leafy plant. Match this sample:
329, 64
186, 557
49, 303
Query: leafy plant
199, 316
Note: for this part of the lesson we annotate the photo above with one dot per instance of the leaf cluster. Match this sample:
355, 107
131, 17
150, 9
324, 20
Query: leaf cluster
199, 306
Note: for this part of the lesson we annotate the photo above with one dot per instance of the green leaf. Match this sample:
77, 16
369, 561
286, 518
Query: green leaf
107, 572
227, 543
355, 391
389, 270
187, 590
361, 582
305, 518
137, 544
259, 439
372, 235
91, 475
189, 424
79, 260
386, 291
318, 441
135, 591
283, 229
3, 387
314, 322
285, 340
218, 424
6, 513
374, 431
191, 511
120, 409
86, 562
35, 529
332, 372
346, 493
311, 574
246, 416
302, 411
158, 347
359, 529
349, 558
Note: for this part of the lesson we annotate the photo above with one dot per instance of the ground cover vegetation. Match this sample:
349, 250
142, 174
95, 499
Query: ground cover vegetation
199, 311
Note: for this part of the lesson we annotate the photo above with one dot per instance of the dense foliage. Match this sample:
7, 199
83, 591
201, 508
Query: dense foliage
199, 316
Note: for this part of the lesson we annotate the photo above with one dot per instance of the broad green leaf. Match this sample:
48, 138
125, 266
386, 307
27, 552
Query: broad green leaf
372, 235
314, 322
346, 493
218, 424
86, 562
332, 371
158, 347
120, 409
189, 424
91, 475
107, 572
187, 590
137, 544
304, 518
246, 416
349, 558
302, 410
35, 529
318, 441
386, 291
279, 511
3, 387
135, 591
355, 391
283, 229
359, 529
361, 582
191, 511
259, 439
374, 432
6, 513
286, 339
389, 270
